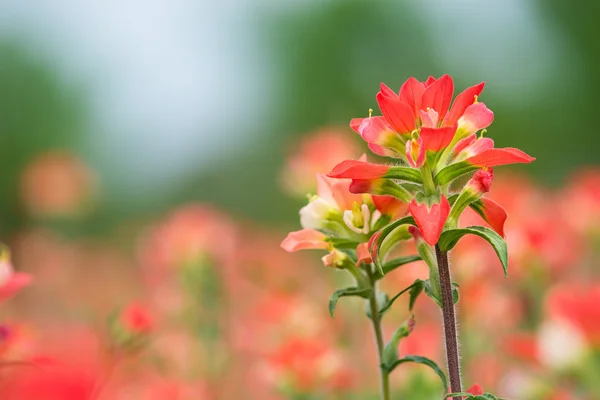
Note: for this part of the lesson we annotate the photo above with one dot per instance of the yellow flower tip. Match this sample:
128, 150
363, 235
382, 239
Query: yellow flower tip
370, 112
4, 253
482, 132
475, 99
311, 197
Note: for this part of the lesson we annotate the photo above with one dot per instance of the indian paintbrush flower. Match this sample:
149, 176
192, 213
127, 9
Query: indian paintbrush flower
434, 142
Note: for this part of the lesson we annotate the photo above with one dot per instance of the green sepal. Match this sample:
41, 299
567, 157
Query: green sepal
449, 238
405, 174
347, 292
419, 360
394, 263
415, 290
390, 351
453, 171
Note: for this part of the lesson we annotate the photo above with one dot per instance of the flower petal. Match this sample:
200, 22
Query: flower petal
436, 139
304, 239
492, 213
495, 157
397, 113
462, 101
475, 118
363, 255
353, 169
411, 93
14, 284
438, 96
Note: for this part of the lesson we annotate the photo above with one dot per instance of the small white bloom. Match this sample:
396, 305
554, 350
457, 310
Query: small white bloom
314, 214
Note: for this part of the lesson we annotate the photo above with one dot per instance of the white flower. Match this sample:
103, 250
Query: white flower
315, 213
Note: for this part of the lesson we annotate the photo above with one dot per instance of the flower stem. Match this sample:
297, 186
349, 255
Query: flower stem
450, 329
376, 320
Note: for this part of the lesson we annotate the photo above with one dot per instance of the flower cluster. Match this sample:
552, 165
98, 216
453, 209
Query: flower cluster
358, 213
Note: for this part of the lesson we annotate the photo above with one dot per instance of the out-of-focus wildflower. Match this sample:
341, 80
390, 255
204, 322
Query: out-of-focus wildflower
316, 154
57, 184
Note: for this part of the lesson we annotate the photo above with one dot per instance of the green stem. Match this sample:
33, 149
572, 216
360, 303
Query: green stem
376, 320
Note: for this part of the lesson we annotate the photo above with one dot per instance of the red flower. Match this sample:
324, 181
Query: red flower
430, 220
304, 239
137, 319
475, 389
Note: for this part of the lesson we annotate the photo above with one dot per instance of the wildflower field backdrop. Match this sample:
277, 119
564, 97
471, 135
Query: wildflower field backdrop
154, 156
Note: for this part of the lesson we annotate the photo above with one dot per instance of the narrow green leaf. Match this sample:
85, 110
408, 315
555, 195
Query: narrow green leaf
416, 290
346, 292
390, 352
453, 171
405, 174
383, 235
392, 264
388, 304
424, 361
448, 240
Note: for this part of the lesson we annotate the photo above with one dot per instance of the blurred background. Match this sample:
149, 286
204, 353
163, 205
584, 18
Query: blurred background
120, 120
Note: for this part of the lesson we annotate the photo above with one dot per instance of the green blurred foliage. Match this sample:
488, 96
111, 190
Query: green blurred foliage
38, 112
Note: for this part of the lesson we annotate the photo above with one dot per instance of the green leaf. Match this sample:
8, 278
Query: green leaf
424, 361
391, 265
390, 352
455, 294
405, 174
347, 292
415, 289
383, 235
448, 240
429, 292
453, 171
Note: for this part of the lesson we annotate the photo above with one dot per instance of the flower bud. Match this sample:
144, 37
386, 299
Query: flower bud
481, 181
130, 329
479, 184
337, 259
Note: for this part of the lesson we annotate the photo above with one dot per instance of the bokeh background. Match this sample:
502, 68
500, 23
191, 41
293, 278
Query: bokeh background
116, 115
